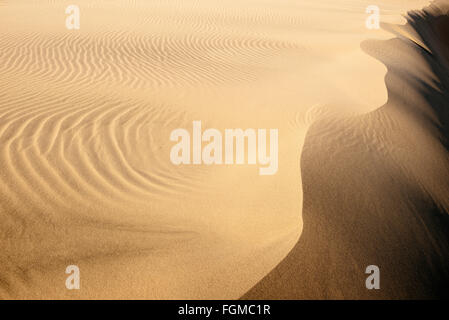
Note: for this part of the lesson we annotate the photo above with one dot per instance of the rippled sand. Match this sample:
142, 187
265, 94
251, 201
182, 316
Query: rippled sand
86, 178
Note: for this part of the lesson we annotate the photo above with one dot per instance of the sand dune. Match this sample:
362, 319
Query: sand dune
379, 194
85, 171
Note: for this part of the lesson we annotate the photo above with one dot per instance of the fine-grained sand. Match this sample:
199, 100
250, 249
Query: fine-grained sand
85, 171
380, 193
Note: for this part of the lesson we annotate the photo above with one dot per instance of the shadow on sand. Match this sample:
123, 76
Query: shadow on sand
376, 186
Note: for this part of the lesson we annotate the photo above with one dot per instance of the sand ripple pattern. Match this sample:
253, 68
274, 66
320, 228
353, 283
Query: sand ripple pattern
59, 139
136, 61
85, 120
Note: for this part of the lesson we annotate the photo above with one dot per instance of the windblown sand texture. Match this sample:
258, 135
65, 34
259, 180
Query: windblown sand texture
86, 178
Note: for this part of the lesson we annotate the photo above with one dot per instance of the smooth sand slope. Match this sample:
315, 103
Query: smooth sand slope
86, 178
379, 194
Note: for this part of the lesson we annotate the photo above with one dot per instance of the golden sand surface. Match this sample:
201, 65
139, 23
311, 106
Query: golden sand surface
85, 171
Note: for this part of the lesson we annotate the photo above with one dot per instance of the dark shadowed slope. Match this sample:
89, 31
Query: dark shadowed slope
376, 186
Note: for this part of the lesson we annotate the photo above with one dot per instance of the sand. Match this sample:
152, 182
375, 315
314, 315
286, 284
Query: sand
85, 171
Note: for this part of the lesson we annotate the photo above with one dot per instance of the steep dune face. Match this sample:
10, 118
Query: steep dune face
376, 186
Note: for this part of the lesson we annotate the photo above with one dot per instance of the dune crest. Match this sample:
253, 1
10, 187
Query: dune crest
379, 194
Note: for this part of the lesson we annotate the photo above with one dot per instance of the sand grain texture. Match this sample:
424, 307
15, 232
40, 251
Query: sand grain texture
86, 179
379, 194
